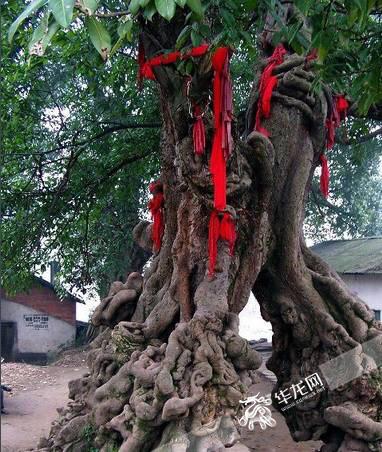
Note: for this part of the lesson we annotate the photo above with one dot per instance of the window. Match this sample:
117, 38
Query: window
377, 314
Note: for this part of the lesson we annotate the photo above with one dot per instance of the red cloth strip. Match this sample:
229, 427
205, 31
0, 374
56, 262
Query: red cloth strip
224, 229
324, 179
342, 106
312, 55
267, 84
156, 205
198, 131
339, 111
228, 231
146, 67
222, 142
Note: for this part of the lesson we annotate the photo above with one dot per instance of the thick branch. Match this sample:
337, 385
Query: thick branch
362, 139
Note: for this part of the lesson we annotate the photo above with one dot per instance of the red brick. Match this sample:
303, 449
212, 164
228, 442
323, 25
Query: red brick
44, 299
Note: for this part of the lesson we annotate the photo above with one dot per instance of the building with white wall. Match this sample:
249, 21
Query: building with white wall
36, 322
359, 264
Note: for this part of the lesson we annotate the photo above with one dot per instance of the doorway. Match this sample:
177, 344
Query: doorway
8, 340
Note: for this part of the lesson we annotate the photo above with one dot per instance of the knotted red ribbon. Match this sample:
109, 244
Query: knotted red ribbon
146, 66
224, 229
221, 147
324, 179
156, 205
267, 84
198, 131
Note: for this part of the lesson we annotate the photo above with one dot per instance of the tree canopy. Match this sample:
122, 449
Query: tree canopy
80, 141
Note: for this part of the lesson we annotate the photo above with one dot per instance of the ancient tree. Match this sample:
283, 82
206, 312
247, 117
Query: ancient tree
170, 368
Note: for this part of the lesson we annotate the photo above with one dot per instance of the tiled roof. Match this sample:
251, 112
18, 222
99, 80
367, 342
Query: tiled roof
352, 256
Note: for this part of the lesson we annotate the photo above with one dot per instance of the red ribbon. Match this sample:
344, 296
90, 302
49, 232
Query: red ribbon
221, 147
156, 205
146, 66
267, 84
222, 142
324, 179
198, 131
342, 106
312, 55
224, 229
338, 113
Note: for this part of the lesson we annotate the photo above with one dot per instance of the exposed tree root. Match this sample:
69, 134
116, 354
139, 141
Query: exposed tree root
169, 371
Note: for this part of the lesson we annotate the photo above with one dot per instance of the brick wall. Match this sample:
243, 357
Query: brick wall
45, 300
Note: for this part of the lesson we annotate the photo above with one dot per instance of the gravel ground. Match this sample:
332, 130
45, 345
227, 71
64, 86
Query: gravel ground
23, 377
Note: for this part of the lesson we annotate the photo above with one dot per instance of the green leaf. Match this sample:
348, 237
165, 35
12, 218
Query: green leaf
181, 3
134, 6
124, 29
90, 6
166, 8
99, 36
183, 36
322, 41
52, 30
196, 38
195, 6
149, 12
39, 33
62, 11
42, 35
143, 3
32, 7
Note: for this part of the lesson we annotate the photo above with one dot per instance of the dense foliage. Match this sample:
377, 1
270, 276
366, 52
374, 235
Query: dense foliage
80, 141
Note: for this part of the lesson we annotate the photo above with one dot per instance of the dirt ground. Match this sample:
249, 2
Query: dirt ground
276, 439
39, 390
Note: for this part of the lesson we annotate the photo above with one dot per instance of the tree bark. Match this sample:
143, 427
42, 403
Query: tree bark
169, 371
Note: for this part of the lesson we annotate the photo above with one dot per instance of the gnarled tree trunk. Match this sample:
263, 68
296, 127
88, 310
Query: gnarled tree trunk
171, 368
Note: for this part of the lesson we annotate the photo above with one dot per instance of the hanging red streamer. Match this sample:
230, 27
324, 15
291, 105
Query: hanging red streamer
156, 205
224, 229
338, 113
324, 179
222, 142
268, 83
228, 231
221, 147
198, 131
342, 106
